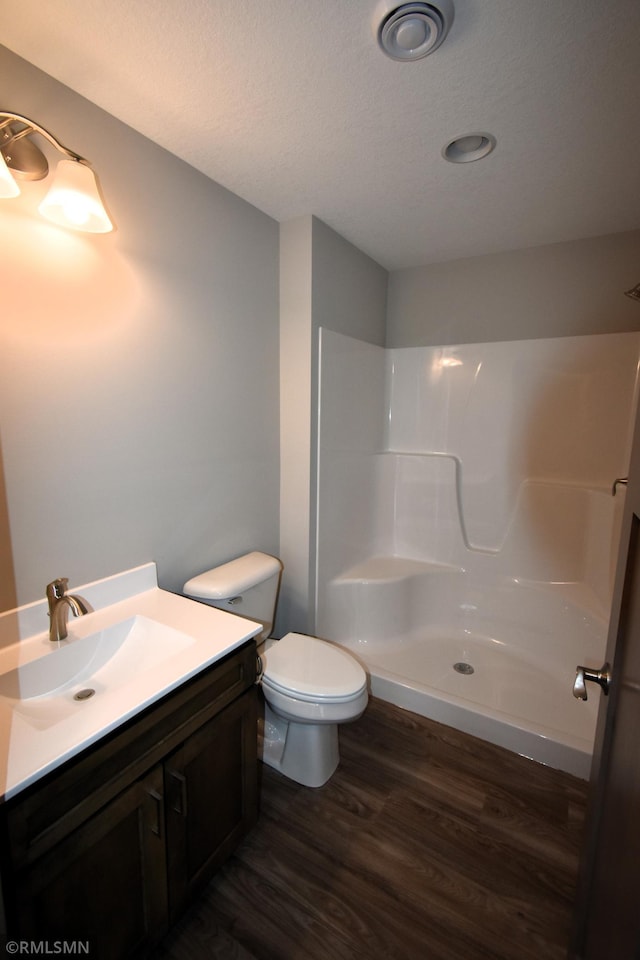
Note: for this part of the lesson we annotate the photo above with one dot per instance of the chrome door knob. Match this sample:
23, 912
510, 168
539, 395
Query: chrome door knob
601, 677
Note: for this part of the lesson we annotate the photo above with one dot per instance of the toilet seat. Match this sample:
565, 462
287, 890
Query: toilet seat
310, 670
310, 697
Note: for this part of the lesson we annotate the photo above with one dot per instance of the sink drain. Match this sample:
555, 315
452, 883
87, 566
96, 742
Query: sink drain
84, 694
465, 668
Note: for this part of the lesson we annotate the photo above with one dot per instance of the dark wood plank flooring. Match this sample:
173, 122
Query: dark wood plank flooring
426, 844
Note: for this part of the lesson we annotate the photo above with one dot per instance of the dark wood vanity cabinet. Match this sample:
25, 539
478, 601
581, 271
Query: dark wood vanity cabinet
110, 847
205, 794
104, 884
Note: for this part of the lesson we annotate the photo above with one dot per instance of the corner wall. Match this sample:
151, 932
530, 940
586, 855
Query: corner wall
324, 282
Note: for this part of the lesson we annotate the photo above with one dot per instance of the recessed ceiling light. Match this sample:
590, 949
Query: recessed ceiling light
473, 146
410, 31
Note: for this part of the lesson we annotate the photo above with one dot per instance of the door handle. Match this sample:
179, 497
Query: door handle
601, 677
623, 480
158, 802
179, 804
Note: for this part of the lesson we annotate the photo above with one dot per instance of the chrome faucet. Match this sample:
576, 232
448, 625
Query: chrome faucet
60, 602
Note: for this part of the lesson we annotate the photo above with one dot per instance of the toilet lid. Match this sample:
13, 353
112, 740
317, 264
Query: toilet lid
314, 668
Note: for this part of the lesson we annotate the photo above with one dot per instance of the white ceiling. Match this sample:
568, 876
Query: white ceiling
291, 105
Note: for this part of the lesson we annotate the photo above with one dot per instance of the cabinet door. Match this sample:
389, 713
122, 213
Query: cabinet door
105, 884
211, 797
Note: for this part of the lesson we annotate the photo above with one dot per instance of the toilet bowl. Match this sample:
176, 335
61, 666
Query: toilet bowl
309, 685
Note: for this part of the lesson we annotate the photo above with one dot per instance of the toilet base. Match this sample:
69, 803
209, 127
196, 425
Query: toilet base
304, 752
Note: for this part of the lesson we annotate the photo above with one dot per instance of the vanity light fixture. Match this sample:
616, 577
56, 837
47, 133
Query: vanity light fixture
73, 200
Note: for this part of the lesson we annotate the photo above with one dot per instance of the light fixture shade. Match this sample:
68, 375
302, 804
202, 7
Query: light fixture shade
8, 186
74, 200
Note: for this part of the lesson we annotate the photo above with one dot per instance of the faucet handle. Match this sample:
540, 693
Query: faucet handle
57, 588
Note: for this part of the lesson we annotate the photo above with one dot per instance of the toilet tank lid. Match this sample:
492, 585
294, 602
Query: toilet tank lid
233, 578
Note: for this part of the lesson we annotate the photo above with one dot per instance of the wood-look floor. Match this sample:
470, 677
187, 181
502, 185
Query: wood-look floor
426, 844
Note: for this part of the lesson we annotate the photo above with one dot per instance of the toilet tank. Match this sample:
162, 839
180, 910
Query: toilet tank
247, 586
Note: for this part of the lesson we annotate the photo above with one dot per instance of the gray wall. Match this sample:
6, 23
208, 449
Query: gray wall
296, 338
324, 281
349, 289
559, 290
139, 370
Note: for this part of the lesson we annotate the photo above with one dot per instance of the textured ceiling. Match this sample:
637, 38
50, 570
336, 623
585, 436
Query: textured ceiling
291, 105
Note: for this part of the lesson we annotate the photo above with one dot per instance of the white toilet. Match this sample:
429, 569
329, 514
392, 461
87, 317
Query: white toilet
309, 685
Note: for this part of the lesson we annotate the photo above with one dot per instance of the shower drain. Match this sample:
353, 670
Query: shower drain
465, 668
84, 694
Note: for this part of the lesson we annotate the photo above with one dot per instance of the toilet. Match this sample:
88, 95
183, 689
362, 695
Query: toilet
309, 685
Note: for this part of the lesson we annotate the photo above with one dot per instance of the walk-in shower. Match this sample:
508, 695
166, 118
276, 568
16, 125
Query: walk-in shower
467, 530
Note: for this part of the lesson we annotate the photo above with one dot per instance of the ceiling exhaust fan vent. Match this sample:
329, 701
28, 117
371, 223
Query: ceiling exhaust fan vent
410, 31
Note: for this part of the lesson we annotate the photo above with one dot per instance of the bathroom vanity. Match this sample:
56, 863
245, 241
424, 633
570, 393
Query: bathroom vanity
107, 846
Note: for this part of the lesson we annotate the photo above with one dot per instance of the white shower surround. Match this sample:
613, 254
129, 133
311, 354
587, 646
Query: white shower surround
465, 515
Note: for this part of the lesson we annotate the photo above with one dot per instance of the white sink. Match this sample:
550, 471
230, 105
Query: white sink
53, 686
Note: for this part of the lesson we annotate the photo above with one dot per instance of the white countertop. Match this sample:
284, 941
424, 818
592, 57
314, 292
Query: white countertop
39, 733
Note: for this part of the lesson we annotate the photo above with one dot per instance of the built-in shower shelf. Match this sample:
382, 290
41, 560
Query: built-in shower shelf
389, 569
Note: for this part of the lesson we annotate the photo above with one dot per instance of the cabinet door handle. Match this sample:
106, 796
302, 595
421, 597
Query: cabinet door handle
156, 826
180, 802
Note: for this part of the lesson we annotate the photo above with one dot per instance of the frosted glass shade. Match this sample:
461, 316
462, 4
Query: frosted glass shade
74, 201
8, 186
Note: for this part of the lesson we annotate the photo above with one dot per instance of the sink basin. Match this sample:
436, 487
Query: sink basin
100, 662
